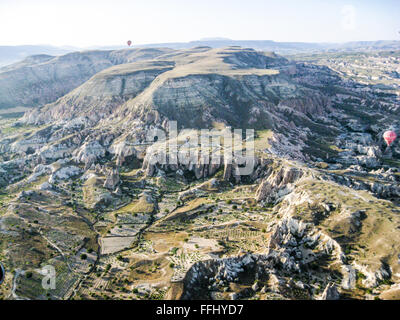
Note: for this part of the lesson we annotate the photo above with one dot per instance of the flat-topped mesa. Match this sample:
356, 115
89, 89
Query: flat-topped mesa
99, 97
238, 87
42, 79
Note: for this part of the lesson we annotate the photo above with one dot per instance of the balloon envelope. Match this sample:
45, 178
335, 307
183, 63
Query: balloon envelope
2, 273
129, 42
390, 137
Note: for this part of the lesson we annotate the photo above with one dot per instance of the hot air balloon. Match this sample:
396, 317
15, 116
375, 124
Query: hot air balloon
2, 273
129, 43
389, 137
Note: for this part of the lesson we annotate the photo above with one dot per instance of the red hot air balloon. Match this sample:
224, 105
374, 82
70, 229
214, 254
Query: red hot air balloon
389, 137
129, 43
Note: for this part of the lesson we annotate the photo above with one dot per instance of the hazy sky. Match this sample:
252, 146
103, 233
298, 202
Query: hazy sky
87, 23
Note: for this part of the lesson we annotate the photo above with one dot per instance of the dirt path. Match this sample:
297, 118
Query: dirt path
58, 249
18, 272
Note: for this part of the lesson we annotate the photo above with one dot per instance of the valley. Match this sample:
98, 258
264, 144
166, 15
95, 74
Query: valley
83, 189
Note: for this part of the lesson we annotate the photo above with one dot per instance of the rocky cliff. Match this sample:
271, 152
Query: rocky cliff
43, 79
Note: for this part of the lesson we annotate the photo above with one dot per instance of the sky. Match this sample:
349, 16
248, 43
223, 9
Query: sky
87, 23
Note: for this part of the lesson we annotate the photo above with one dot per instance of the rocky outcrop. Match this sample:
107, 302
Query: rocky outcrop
35, 82
112, 179
123, 150
296, 244
64, 174
89, 152
382, 188
277, 184
294, 248
330, 293
216, 273
151, 165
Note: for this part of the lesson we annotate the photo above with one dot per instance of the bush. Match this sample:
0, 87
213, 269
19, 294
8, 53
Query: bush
83, 256
360, 275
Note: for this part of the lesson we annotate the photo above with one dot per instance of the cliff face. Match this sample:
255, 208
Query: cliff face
100, 96
238, 87
42, 79
200, 88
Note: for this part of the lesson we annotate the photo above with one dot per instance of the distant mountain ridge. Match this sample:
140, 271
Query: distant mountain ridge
11, 54
284, 47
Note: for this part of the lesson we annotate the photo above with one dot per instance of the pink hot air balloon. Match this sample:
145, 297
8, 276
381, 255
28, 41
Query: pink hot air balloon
389, 137
129, 43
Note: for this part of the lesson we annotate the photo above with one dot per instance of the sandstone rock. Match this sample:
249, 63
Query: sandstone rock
255, 286
234, 296
274, 283
349, 277
330, 293
270, 187
65, 173
227, 172
89, 152
264, 289
112, 179
118, 191
45, 186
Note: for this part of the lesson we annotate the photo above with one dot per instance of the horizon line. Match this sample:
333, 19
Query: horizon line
201, 40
